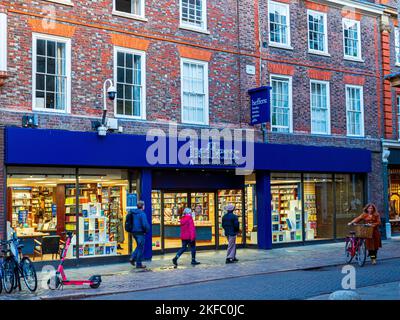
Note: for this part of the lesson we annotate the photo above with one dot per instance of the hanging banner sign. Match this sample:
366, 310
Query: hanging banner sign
260, 105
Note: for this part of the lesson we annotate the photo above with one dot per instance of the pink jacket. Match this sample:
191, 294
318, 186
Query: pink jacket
188, 230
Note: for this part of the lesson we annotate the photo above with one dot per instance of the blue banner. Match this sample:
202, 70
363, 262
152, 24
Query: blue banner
260, 105
131, 201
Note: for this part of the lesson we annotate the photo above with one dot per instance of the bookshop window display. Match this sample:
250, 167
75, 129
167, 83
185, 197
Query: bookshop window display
349, 200
286, 207
307, 207
42, 204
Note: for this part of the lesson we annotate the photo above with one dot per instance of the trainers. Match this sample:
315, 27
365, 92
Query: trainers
141, 267
235, 260
194, 262
175, 261
228, 261
132, 261
373, 261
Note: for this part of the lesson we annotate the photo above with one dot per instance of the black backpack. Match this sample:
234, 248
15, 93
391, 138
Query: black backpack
129, 222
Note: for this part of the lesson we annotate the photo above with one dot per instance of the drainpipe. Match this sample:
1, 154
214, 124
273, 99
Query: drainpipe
385, 162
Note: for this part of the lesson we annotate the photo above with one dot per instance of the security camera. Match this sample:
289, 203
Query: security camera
112, 93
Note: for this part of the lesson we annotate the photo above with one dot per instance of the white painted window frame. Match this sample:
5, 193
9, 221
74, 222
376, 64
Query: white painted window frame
141, 16
328, 105
3, 42
288, 37
361, 107
325, 19
290, 89
188, 26
358, 24
397, 45
143, 74
206, 89
67, 41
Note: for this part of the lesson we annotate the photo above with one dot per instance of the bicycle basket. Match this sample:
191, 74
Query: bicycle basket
363, 231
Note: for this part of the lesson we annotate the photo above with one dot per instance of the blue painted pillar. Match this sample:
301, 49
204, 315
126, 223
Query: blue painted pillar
264, 217
145, 195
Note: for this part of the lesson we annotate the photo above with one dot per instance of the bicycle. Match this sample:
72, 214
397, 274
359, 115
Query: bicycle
355, 246
15, 267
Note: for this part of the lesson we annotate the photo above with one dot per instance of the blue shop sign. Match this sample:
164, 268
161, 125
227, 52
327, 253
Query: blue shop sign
131, 201
260, 102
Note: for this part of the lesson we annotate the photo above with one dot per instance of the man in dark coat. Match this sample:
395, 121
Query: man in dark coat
230, 223
140, 226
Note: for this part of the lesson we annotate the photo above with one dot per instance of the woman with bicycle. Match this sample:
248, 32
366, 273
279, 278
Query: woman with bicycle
371, 216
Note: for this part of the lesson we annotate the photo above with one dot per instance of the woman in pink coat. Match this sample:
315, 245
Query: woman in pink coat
188, 237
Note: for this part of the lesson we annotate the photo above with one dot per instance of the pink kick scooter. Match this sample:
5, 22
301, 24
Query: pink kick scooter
60, 279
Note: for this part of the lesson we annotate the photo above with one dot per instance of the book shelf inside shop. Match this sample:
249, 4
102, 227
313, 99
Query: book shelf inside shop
251, 230
226, 197
33, 210
310, 211
286, 213
100, 215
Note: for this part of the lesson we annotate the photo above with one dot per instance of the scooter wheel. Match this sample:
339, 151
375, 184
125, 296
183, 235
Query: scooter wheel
95, 285
54, 283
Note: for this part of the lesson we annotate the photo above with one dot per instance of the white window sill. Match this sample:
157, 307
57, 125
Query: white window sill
191, 28
321, 133
320, 53
124, 117
129, 16
280, 46
64, 2
50, 111
355, 136
353, 59
195, 123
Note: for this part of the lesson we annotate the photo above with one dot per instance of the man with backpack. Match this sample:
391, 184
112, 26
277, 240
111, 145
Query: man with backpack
136, 223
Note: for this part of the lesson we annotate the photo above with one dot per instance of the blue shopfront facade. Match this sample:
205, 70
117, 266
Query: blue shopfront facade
58, 148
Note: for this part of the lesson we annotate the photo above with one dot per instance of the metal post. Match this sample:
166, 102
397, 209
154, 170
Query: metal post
385, 178
77, 192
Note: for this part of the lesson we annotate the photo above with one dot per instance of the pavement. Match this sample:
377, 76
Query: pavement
123, 278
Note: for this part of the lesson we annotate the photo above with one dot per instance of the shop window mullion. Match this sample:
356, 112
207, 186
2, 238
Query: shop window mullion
77, 193
162, 220
244, 225
303, 210
334, 207
216, 219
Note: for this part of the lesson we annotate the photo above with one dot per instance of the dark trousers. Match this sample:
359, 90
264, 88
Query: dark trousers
373, 254
185, 244
137, 255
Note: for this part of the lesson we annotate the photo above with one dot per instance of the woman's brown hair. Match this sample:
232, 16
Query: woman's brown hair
365, 210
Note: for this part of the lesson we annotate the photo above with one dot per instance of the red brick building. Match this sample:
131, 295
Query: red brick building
191, 62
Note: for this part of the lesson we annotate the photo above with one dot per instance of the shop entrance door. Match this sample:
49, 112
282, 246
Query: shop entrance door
167, 210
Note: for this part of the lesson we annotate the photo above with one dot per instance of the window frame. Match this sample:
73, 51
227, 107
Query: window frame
3, 42
206, 89
290, 96
288, 37
141, 16
397, 45
362, 132
67, 41
398, 116
359, 47
328, 105
325, 19
188, 26
143, 108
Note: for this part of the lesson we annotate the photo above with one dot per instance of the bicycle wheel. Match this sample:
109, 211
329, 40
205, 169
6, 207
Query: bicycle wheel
361, 253
29, 274
1, 279
8, 275
347, 250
